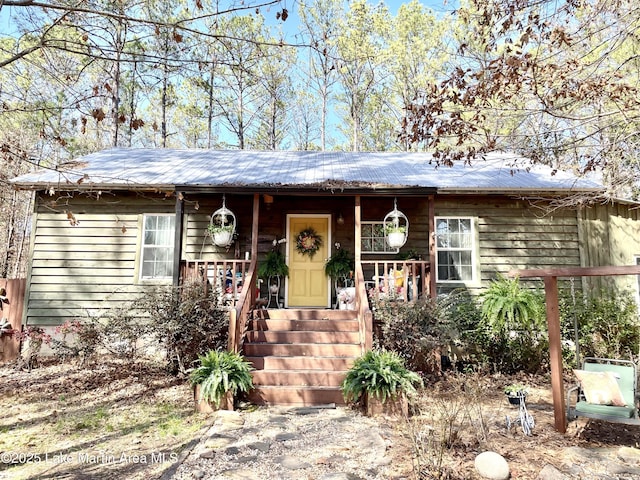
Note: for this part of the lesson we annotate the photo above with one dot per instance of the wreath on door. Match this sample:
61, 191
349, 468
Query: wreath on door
308, 242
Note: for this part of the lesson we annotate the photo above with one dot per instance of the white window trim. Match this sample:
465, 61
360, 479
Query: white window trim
141, 249
636, 260
369, 252
474, 247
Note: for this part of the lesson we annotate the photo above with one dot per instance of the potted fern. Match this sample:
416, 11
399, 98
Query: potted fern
218, 379
340, 265
272, 269
380, 380
273, 265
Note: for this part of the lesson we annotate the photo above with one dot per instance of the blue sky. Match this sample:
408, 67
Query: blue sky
438, 6
290, 27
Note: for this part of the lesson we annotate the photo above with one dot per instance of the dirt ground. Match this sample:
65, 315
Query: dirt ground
114, 420
471, 411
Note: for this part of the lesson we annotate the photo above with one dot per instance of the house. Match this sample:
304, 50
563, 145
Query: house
111, 223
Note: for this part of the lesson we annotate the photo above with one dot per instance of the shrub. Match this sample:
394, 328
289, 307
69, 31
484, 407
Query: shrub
186, 322
413, 330
86, 338
379, 373
462, 311
608, 324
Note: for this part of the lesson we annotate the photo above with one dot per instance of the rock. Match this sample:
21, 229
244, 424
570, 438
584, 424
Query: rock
239, 474
283, 437
279, 420
208, 454
492, 465
217, 441
382, 461
629, 454
549, 472
229, 418
306, 410
291, 463
371, 440
260, 446
247, 459
198, 474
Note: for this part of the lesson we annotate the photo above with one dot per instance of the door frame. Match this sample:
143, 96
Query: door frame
328, 243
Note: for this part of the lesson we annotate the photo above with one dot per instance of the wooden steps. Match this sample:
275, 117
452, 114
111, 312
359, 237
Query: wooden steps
301, 356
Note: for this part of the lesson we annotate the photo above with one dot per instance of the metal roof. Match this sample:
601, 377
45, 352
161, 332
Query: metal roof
137, 169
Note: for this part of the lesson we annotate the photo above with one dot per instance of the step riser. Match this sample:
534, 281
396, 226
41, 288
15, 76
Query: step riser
304, 325
301, 356
304, 337
305, 314
296, 396
293, 378
300, 363
279, 349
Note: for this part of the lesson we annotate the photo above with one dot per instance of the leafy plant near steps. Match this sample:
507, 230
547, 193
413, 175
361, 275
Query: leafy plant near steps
340, 264
273, 265
220, 372
380, 373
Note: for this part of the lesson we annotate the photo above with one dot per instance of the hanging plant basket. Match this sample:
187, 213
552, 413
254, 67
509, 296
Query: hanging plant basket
396, 239
222, 238
222, 226
396, 227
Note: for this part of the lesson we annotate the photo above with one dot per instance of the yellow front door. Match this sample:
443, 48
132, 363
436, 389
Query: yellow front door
307, 285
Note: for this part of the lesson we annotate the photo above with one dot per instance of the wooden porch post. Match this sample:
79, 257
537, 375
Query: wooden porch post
254, 226
432, 247
555, 353
177, 242
357, 234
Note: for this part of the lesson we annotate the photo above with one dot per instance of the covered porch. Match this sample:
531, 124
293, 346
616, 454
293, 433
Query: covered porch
228, 272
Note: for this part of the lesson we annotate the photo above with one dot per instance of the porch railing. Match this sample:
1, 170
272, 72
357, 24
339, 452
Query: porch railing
365, 317
230, 280
227, 278
405, 279
239, 316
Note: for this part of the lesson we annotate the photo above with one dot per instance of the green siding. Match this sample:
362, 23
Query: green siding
512, 235
85, 269
610, 236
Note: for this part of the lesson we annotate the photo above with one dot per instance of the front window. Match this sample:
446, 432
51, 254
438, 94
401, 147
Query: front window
373, 240
637, 259
454, 249
157, 246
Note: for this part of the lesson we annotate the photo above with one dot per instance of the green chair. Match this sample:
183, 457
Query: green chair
626, 376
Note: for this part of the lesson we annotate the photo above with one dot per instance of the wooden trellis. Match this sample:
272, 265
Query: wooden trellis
550, 278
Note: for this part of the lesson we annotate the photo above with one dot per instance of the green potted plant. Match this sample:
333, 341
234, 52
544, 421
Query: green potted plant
381, 381
515, 392
396, 234
273, 265
272, 269
222, 235
218, 378
340, 264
